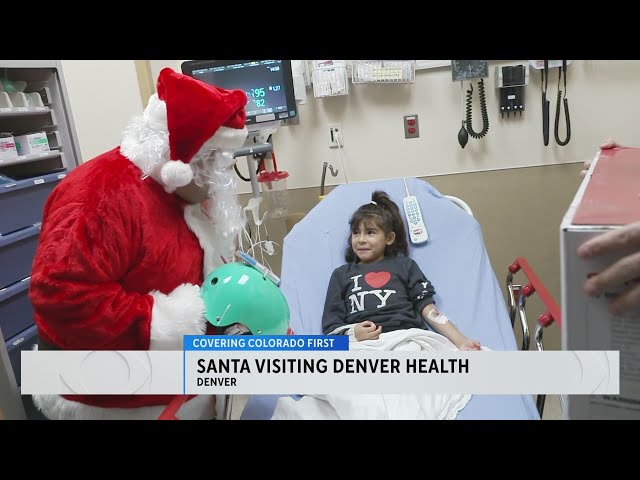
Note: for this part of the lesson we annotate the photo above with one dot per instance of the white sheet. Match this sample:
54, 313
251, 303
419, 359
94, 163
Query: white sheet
380, 407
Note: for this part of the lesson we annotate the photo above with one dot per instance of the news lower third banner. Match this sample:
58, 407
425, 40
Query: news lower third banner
315, 364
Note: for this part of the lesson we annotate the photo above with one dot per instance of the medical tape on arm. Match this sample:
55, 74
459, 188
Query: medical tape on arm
437, 317
351, 331
345, 330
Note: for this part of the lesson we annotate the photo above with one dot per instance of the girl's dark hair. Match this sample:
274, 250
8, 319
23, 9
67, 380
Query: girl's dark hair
386, 215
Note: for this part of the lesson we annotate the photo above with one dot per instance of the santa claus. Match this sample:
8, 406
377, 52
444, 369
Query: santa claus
128, 237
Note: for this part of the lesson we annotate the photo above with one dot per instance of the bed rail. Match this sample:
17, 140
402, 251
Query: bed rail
461, 203
517, 297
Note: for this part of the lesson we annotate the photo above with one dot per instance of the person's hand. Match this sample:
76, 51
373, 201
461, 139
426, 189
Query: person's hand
469, 345
608, 143
367, 330
623, 273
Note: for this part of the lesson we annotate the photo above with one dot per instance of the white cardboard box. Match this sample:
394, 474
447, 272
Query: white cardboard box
32, 143
608, 198
7, 148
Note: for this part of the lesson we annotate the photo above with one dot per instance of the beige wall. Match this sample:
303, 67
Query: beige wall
145, 80
520, 211
104, 96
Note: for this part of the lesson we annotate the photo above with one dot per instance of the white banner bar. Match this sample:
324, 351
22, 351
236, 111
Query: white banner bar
313, 372
102, 372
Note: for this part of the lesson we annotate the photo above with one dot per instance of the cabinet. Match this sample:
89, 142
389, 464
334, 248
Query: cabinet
34, 106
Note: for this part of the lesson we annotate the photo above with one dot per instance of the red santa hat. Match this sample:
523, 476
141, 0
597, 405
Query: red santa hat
198, 112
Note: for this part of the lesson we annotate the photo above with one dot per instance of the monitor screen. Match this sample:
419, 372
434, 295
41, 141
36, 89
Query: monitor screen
267, 83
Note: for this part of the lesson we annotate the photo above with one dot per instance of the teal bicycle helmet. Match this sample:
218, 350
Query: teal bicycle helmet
238, 293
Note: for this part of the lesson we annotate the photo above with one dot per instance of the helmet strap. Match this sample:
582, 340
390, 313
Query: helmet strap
237, 329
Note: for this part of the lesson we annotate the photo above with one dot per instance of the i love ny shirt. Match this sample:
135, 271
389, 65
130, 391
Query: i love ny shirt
391, 293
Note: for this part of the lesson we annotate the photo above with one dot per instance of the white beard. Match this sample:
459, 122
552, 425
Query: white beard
222, 206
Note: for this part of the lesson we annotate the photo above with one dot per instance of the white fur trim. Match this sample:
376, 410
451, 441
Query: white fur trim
56, 407
203, 229
229, 138
145, 141
176, 174
177, 314
155, 115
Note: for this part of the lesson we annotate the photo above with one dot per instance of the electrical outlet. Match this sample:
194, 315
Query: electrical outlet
411, 129
336, 140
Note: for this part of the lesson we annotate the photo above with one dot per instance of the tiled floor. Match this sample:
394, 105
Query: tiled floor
552, 408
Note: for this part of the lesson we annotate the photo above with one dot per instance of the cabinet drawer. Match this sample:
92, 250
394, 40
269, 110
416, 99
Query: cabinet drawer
16, 312
22, 201
17, 251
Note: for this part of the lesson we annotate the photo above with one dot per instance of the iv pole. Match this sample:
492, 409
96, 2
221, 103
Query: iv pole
249, 152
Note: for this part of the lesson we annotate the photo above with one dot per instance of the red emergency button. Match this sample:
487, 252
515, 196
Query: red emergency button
411, 122
412, 131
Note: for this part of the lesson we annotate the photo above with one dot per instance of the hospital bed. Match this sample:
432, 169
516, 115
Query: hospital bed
454, 259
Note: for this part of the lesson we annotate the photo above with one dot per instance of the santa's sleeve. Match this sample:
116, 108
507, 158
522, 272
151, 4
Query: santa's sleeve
86, 246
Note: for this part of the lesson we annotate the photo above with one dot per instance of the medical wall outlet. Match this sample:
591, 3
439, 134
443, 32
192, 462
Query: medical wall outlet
335, 136
511, 81
411, 129
417, 229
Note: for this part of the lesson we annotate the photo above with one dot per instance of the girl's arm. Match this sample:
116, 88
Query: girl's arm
442, 325
422, 293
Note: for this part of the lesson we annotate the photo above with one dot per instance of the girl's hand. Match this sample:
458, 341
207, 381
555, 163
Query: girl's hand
469, 345
367, 330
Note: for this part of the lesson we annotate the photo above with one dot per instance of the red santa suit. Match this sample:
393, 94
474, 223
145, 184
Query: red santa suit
121, 258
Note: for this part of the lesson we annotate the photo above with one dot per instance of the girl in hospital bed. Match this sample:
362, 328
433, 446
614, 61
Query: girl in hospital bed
380, 288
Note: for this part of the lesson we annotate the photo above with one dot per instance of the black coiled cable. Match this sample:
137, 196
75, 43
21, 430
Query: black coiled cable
567, 120
483, 111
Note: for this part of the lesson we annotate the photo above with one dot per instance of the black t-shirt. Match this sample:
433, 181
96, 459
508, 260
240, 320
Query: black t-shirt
391, 293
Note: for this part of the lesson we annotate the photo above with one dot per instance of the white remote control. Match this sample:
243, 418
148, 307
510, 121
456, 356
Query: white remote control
417, 229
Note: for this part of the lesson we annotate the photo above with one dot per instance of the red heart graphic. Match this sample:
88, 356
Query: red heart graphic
377, 279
